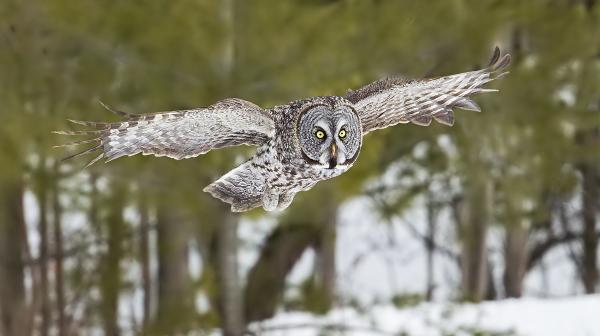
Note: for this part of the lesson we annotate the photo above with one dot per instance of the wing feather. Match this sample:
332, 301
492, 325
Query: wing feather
177, 134
391, 101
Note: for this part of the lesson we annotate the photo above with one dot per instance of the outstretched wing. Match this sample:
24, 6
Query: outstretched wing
177, 134
392, 101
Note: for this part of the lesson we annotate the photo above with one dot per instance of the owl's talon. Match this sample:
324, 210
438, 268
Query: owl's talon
285, 200
270, 200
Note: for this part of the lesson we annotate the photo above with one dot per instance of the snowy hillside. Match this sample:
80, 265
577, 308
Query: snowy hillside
579, 316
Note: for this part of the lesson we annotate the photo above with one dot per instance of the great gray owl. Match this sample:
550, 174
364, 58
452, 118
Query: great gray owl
299, 143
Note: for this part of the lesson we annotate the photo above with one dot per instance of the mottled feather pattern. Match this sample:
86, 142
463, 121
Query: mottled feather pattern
295, 173
377, 86
392, 101
278, 168
179, 134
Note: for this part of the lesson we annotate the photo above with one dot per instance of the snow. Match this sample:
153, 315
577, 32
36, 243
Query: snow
374, 258
575, 316
376, 261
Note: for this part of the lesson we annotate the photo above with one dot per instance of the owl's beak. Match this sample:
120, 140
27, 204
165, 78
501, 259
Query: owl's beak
332, 156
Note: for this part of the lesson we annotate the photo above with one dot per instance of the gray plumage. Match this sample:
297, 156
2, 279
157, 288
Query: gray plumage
299, 143
392, 101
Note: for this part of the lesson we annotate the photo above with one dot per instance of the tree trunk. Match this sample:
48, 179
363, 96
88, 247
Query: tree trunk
590, 203
230, 292
309, 222
13, 305
515, 260
228, 278
175, 300
111, 272
59, 253
430, 247
42, 194
266, 280
589, 168
490, 292
145, 261
325, 252
472, 215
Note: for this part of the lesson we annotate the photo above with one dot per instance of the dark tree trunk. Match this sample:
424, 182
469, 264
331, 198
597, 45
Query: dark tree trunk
298, 230
589, 168
145, 260
490, 292
111, 273
174, 287
515, 259
13, 305
42, 193
590, 199
325, 250
59, 291
230, 292
472, 216
266, 280
430, 247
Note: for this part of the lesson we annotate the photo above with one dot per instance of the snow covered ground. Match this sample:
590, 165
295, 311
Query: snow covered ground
375, 262
575, 316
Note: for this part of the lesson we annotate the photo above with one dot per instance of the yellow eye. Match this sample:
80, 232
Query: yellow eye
342, 134
320, 134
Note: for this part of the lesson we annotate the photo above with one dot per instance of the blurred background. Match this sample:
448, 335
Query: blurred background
503, 208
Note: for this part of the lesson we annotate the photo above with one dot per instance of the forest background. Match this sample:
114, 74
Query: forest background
504, 204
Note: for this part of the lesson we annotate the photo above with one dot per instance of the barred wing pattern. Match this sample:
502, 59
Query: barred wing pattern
392, 101
177, 134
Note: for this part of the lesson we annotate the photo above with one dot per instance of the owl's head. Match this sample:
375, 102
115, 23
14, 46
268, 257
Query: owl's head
329, 132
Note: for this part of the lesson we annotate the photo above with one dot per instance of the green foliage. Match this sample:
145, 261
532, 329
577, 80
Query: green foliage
406, 300
312, 297
477, 331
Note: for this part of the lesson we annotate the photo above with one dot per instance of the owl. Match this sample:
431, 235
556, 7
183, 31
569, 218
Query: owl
299, 143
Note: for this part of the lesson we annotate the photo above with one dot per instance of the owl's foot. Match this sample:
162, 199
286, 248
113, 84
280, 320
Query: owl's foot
270, 200
285, 200
274, 201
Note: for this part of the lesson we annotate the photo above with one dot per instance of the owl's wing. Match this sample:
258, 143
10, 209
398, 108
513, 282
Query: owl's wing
392, 101
178, 134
